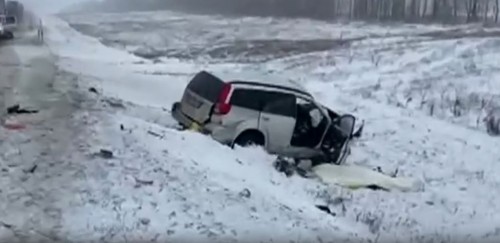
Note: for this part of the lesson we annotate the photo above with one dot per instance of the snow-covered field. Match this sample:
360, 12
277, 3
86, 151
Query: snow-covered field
428, 68
164, 184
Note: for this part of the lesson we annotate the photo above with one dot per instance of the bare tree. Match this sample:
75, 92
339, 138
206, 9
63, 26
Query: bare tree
424, 13
492, 121
455, 9
486, 9
413, 9
398, 9
435, 8
471, 8
497, 3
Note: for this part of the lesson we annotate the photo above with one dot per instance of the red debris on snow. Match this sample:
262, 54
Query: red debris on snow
14, 126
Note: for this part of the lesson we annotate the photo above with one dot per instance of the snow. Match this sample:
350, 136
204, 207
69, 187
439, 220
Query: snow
422, 67
182, 185
195, 192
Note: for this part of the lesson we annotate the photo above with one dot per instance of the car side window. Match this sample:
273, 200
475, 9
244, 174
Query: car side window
248, 98
346, 124
311, 111
282, 104
269, 101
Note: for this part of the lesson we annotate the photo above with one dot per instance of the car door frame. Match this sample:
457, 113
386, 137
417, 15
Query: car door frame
329, 123
269, 121
345, 147
308, 152
324, 113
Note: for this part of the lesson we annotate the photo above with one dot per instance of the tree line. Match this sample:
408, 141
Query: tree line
446, 11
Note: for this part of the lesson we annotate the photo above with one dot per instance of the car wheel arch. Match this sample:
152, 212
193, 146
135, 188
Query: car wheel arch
251, 132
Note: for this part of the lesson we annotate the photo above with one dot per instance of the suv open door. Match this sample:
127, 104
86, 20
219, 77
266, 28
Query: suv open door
336, 141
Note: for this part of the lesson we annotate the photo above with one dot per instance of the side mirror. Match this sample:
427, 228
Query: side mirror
359, 132
338, 145
346, 124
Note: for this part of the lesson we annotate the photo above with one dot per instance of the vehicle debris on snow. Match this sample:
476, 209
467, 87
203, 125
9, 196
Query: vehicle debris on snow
105, 154
245, 193
93, 90
143, 182
349, 176
16, 109
31, 170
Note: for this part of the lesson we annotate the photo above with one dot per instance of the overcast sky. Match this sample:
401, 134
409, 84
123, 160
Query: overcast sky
48, 6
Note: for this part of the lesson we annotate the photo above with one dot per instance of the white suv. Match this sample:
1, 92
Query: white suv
277, 114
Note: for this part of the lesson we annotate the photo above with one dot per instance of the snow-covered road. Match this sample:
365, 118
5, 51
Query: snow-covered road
36, 161
166, 185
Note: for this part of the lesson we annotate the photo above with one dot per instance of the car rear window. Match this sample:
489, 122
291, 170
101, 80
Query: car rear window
269, 101
206, 85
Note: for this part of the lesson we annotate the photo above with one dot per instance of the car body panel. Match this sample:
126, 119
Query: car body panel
278, 130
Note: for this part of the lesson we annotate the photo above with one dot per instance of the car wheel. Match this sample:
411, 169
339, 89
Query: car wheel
250, 138
174, 107
318, 160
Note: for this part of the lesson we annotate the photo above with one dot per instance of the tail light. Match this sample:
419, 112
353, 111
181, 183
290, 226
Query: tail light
222, 107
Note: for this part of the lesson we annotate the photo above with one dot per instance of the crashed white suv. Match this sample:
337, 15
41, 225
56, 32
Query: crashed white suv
276, 114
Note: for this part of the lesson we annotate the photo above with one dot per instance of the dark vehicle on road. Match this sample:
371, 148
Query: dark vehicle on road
6, 27
15, 9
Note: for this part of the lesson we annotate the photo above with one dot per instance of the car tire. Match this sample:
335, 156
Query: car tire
315, 161
249, 138
174, 107
10, 35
